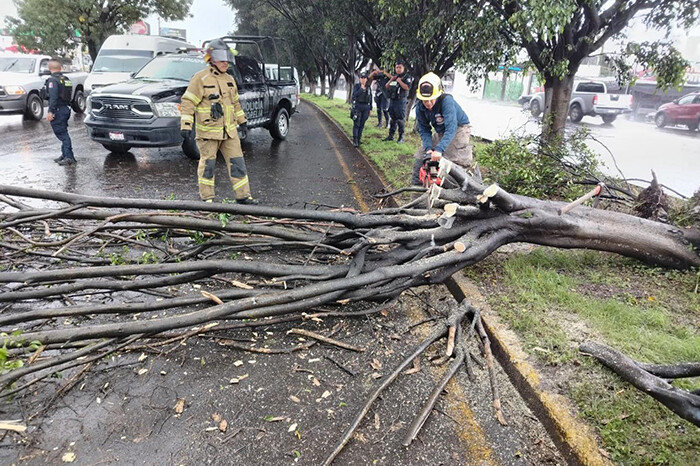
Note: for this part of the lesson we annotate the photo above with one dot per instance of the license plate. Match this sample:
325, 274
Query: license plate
116, 136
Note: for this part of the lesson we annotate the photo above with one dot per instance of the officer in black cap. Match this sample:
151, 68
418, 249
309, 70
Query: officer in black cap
59, 91
361, 108
398, 86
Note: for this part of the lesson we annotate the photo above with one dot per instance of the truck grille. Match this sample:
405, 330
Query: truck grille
127, 108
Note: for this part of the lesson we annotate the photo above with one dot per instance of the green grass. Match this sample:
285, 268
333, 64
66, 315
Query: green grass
555, 299
394, 161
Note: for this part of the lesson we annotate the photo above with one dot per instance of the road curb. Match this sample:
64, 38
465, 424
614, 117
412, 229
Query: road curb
390, 201
574, 438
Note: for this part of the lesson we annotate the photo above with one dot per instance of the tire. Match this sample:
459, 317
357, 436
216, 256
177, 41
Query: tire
117, 148
694, 125
35, 108
608, 119
576, 113
189, 147
535, 109
660, 120
279, 128
79, 102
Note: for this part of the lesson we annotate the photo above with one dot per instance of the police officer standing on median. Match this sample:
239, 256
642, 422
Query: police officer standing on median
212, 108
59, 91
381, 95
398, 86
452, 131
361, 108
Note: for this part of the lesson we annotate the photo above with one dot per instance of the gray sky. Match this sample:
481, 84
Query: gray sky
210, 19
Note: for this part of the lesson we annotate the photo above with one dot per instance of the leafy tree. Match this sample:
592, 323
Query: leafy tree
51, 29
559, 35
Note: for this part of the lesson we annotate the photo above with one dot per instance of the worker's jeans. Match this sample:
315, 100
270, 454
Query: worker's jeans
459, 151
59, 125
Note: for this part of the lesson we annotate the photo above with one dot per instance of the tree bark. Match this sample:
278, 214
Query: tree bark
557, 97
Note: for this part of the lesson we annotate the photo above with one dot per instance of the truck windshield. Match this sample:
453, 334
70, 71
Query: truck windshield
171, 67
17, 64
121, 61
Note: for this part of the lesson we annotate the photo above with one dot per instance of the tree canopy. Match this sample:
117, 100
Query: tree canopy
53, 30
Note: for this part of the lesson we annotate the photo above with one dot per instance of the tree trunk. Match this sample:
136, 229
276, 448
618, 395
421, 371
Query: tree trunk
504, 84
93, 48
556, 106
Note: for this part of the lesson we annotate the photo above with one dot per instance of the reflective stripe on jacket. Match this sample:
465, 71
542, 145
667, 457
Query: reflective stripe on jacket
207, 87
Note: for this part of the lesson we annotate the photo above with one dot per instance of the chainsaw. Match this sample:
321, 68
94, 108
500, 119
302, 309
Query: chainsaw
429, 172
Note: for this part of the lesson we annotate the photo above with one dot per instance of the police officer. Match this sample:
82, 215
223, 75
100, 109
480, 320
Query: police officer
211, 106
361, 108
398, 86
452, 131
381, 95
59, 91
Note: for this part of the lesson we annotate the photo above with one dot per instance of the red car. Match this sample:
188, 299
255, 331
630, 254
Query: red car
684, 111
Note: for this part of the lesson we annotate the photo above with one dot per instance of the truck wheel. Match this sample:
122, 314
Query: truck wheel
660, 120
575, 113
78, 104
35, 107
280, 125
189, 147
117, 148
535, 109
608, 119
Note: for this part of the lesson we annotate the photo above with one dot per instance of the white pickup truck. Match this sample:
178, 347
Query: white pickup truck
22, 79
589, 98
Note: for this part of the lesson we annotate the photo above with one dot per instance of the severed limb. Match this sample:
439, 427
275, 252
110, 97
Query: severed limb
683, 403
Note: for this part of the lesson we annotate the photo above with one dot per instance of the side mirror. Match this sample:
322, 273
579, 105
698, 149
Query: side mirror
675, 101
131, 75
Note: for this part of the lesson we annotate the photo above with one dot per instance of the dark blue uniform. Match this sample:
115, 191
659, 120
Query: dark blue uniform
398, 98
361, 106
59, 90
381, 98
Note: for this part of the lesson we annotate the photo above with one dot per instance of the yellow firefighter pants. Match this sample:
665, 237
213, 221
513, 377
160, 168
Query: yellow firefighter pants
233, 155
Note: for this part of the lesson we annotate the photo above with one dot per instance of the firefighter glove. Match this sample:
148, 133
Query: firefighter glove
243, 127
217, 111
186, 133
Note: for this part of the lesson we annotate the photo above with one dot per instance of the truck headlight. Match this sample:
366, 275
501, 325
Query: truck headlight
167, 109
88, 104
15, 90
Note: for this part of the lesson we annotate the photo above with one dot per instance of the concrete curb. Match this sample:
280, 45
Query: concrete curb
574, 438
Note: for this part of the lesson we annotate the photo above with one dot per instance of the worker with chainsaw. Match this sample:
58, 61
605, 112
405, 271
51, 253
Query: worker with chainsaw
211, 112
439, 111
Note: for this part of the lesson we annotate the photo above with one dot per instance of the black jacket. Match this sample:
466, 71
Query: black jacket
59, 91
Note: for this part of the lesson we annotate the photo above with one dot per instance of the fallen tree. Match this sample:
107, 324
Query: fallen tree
89, 246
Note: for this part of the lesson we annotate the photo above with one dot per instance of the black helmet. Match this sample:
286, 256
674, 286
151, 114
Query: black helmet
218, 50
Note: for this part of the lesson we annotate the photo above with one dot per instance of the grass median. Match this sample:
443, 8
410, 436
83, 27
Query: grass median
554, 300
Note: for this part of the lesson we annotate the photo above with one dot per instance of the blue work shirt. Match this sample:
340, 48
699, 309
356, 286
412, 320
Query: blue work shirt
446, 116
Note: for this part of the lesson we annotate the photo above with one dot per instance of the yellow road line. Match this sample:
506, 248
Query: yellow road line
346, 170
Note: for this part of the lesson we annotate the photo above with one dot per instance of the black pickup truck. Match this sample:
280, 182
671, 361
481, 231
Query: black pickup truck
145, 110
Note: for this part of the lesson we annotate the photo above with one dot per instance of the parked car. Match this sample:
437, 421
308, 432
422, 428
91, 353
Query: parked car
122, 55
589, 98
683, 111
145, 110
22, 79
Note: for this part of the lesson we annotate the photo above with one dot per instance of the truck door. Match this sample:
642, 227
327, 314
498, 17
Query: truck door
252, 90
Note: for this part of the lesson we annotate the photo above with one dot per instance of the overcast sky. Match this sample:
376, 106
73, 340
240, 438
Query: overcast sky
210, 19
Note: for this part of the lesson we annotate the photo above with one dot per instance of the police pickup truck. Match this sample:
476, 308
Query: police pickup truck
145, 110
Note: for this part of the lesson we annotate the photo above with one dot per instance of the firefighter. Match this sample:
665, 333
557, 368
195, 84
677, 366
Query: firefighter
211, 105
59, 91
452, 131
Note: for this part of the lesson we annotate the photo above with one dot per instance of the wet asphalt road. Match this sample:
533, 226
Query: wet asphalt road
116, 413
304, 169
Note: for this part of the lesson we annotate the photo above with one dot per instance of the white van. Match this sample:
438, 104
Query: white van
121, 55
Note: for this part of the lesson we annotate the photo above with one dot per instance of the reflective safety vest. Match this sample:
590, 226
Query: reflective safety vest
208, 87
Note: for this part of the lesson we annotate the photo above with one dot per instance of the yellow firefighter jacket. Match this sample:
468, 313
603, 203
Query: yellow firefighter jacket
207, 87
